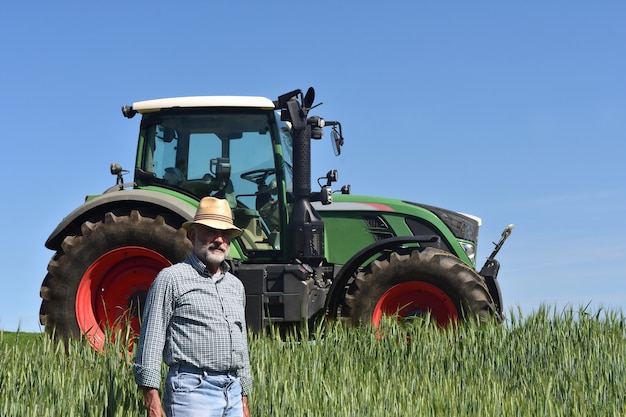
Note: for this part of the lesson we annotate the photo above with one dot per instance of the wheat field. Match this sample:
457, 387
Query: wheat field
549, 363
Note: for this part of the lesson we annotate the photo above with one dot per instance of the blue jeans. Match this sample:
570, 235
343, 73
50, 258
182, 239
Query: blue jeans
191, 392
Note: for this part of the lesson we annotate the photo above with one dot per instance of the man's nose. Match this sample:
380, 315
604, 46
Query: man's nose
220, 236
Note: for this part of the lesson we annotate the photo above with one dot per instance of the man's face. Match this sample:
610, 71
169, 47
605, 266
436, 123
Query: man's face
210, 245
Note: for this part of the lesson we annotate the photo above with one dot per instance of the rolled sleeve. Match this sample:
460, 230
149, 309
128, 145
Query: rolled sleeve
146, 377
246, 385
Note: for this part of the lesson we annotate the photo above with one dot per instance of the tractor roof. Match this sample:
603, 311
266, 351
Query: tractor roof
202, 101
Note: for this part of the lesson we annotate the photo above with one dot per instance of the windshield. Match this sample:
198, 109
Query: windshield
228, 155
201, 153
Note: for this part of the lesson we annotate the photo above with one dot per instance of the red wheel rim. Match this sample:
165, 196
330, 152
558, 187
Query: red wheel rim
113, 290
414, 298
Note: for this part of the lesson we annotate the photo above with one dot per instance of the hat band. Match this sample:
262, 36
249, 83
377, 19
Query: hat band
218, 217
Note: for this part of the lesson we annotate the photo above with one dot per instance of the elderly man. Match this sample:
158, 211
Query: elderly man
194, 320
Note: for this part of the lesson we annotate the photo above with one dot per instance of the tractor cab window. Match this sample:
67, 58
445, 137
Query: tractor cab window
226, 155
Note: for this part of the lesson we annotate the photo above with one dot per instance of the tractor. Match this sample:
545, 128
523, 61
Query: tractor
303, 254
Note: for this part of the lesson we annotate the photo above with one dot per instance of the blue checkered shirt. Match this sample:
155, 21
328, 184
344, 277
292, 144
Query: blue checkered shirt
191, 319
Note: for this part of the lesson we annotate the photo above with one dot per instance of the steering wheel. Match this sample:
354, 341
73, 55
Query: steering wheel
258, 176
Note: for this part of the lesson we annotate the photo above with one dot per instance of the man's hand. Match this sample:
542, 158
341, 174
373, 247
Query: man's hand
153, 402
246, 410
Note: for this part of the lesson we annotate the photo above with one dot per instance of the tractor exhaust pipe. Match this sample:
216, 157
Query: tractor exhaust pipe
302, 163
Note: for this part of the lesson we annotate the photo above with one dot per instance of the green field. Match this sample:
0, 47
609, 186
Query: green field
565, 363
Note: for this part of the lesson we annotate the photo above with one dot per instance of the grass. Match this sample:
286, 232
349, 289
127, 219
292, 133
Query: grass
18, 337
567, 363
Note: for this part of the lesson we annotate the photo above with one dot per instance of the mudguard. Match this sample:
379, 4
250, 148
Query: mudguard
346, 271
178, 210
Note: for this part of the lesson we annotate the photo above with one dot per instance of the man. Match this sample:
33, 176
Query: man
194, 320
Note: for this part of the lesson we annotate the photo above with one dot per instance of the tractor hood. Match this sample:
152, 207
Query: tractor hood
462, 226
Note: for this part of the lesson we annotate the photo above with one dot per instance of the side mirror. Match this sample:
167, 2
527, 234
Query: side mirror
337, 142
337, 136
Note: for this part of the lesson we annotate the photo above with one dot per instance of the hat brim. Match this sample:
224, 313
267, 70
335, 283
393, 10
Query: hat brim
215, 224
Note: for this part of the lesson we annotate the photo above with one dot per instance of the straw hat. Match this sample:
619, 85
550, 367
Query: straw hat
214, 213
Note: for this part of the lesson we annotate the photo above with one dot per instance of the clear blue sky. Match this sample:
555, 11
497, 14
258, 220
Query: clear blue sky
511, 111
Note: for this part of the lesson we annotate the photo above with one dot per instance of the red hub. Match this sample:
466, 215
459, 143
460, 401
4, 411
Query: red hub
415, 298
113, 291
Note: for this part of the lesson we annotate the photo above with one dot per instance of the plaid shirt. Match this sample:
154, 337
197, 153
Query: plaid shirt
192, 319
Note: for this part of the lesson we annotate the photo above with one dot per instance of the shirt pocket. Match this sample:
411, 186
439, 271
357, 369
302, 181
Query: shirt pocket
235, 315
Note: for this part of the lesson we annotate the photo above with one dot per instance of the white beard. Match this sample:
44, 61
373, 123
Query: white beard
210, 254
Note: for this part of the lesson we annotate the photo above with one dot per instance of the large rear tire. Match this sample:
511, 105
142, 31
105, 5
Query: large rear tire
427, 281
99, 280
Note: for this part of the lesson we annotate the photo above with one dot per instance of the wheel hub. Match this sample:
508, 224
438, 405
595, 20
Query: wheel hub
113, 290
415, 299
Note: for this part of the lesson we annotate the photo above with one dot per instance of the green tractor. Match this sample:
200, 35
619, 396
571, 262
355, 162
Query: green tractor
303, 254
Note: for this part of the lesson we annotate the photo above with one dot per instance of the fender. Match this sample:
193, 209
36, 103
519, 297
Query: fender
348, 269
180, 210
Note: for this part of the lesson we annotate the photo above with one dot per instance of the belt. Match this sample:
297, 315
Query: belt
190, 369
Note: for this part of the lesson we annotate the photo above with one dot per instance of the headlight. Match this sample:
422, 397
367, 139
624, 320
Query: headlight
470, 250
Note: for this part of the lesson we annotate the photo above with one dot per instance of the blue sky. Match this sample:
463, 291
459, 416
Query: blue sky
512, 111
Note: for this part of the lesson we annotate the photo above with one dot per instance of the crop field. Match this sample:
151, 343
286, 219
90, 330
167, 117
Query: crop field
549, 363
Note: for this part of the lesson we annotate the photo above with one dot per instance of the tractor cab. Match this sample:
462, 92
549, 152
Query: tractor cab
243, 155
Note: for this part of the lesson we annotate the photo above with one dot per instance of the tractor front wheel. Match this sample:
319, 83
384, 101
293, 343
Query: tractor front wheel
99, 280
425, 282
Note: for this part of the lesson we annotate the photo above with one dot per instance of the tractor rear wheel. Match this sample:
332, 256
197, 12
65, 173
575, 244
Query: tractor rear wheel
425, 282
99, 280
